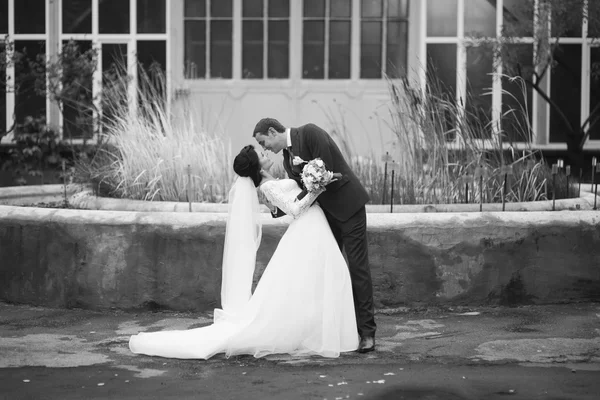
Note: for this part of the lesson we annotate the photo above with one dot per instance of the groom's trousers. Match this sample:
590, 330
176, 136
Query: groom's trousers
351, 236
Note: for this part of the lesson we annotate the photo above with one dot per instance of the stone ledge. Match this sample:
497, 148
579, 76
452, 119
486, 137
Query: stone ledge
102, 259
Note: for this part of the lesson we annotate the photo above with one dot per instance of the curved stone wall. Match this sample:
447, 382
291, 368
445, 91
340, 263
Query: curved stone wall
103, 259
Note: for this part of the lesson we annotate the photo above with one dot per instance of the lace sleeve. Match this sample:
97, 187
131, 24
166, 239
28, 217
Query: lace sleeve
286, 201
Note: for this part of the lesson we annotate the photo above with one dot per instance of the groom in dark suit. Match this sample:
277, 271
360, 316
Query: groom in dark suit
343, 203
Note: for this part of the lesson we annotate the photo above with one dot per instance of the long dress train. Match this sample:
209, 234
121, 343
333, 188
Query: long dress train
302, 304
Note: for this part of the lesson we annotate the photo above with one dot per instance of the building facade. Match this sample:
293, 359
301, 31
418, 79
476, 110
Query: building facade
323, 61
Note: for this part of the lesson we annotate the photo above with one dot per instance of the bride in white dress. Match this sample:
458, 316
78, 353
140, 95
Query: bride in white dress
302, 304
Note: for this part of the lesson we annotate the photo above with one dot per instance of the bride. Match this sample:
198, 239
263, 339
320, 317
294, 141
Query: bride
302, 304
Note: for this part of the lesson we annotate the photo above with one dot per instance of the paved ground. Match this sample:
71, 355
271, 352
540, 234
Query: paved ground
533, 352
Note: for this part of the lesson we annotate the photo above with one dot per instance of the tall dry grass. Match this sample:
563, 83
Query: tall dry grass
145, 154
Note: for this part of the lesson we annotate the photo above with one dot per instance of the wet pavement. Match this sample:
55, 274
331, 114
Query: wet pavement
528, 352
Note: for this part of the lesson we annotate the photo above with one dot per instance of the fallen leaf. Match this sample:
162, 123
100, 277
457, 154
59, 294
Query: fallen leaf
389, 373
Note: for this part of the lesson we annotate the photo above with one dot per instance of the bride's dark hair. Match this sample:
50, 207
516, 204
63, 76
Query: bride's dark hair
247, 164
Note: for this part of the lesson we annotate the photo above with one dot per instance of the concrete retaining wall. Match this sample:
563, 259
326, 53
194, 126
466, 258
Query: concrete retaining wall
102, 259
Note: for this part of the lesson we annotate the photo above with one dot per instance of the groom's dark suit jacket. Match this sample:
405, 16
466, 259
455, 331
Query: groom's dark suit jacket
343, 198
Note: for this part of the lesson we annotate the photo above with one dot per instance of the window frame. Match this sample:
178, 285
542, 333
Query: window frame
130, 39
10, 70
540, 112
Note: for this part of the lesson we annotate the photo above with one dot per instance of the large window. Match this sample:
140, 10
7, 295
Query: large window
97, 39
326, 39
265, 39
531, 90
208, 39
384, 38
296, 39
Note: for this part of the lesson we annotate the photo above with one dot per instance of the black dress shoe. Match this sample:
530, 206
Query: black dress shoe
367, 344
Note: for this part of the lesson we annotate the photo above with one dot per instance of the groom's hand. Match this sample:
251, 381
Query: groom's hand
336, 177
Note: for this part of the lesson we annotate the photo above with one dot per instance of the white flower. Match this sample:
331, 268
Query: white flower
297, 161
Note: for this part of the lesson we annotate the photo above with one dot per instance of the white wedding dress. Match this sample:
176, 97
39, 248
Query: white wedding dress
302, 304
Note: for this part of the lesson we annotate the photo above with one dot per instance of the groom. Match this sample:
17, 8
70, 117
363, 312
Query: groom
343, 203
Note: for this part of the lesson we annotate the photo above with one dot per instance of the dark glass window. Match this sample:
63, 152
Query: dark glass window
77, 16
480, 18
113, 16
114, 89
384, 34
595, 94
276, 23
30, 16
28, 101
252, 49
517, 100
3, 17
2, 92
441, 78
151, 16
208, 39
77, 111
442, 17
567, 18
478, 105
327, 33
518, 18
195, 49
221, 48
152, 61
565, 90
313, 49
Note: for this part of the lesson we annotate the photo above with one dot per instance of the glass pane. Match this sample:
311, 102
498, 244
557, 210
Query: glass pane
397, 49
221, 49
77, 90
478, 104
370, 54
2, 92
114, 92
398, 9
517, 97
221, 8
566, 90
252, 8
567, 18
28, 103
195, 8
313, 51
113, 16
30, 16
371, 8
195, 50
480, 18
593, 19
441, 17
279, 45
441, 69
518, 18
252, 49
3, 23
595, 94
340, 8
151, 16
77, 16
314, 8
441, 78
339, 50
152, 62
279, 8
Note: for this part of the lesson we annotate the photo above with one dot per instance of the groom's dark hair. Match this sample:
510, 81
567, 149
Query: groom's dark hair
247, 164
264, 124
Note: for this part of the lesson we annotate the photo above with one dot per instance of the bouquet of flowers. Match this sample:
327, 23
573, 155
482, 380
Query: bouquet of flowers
315, 176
